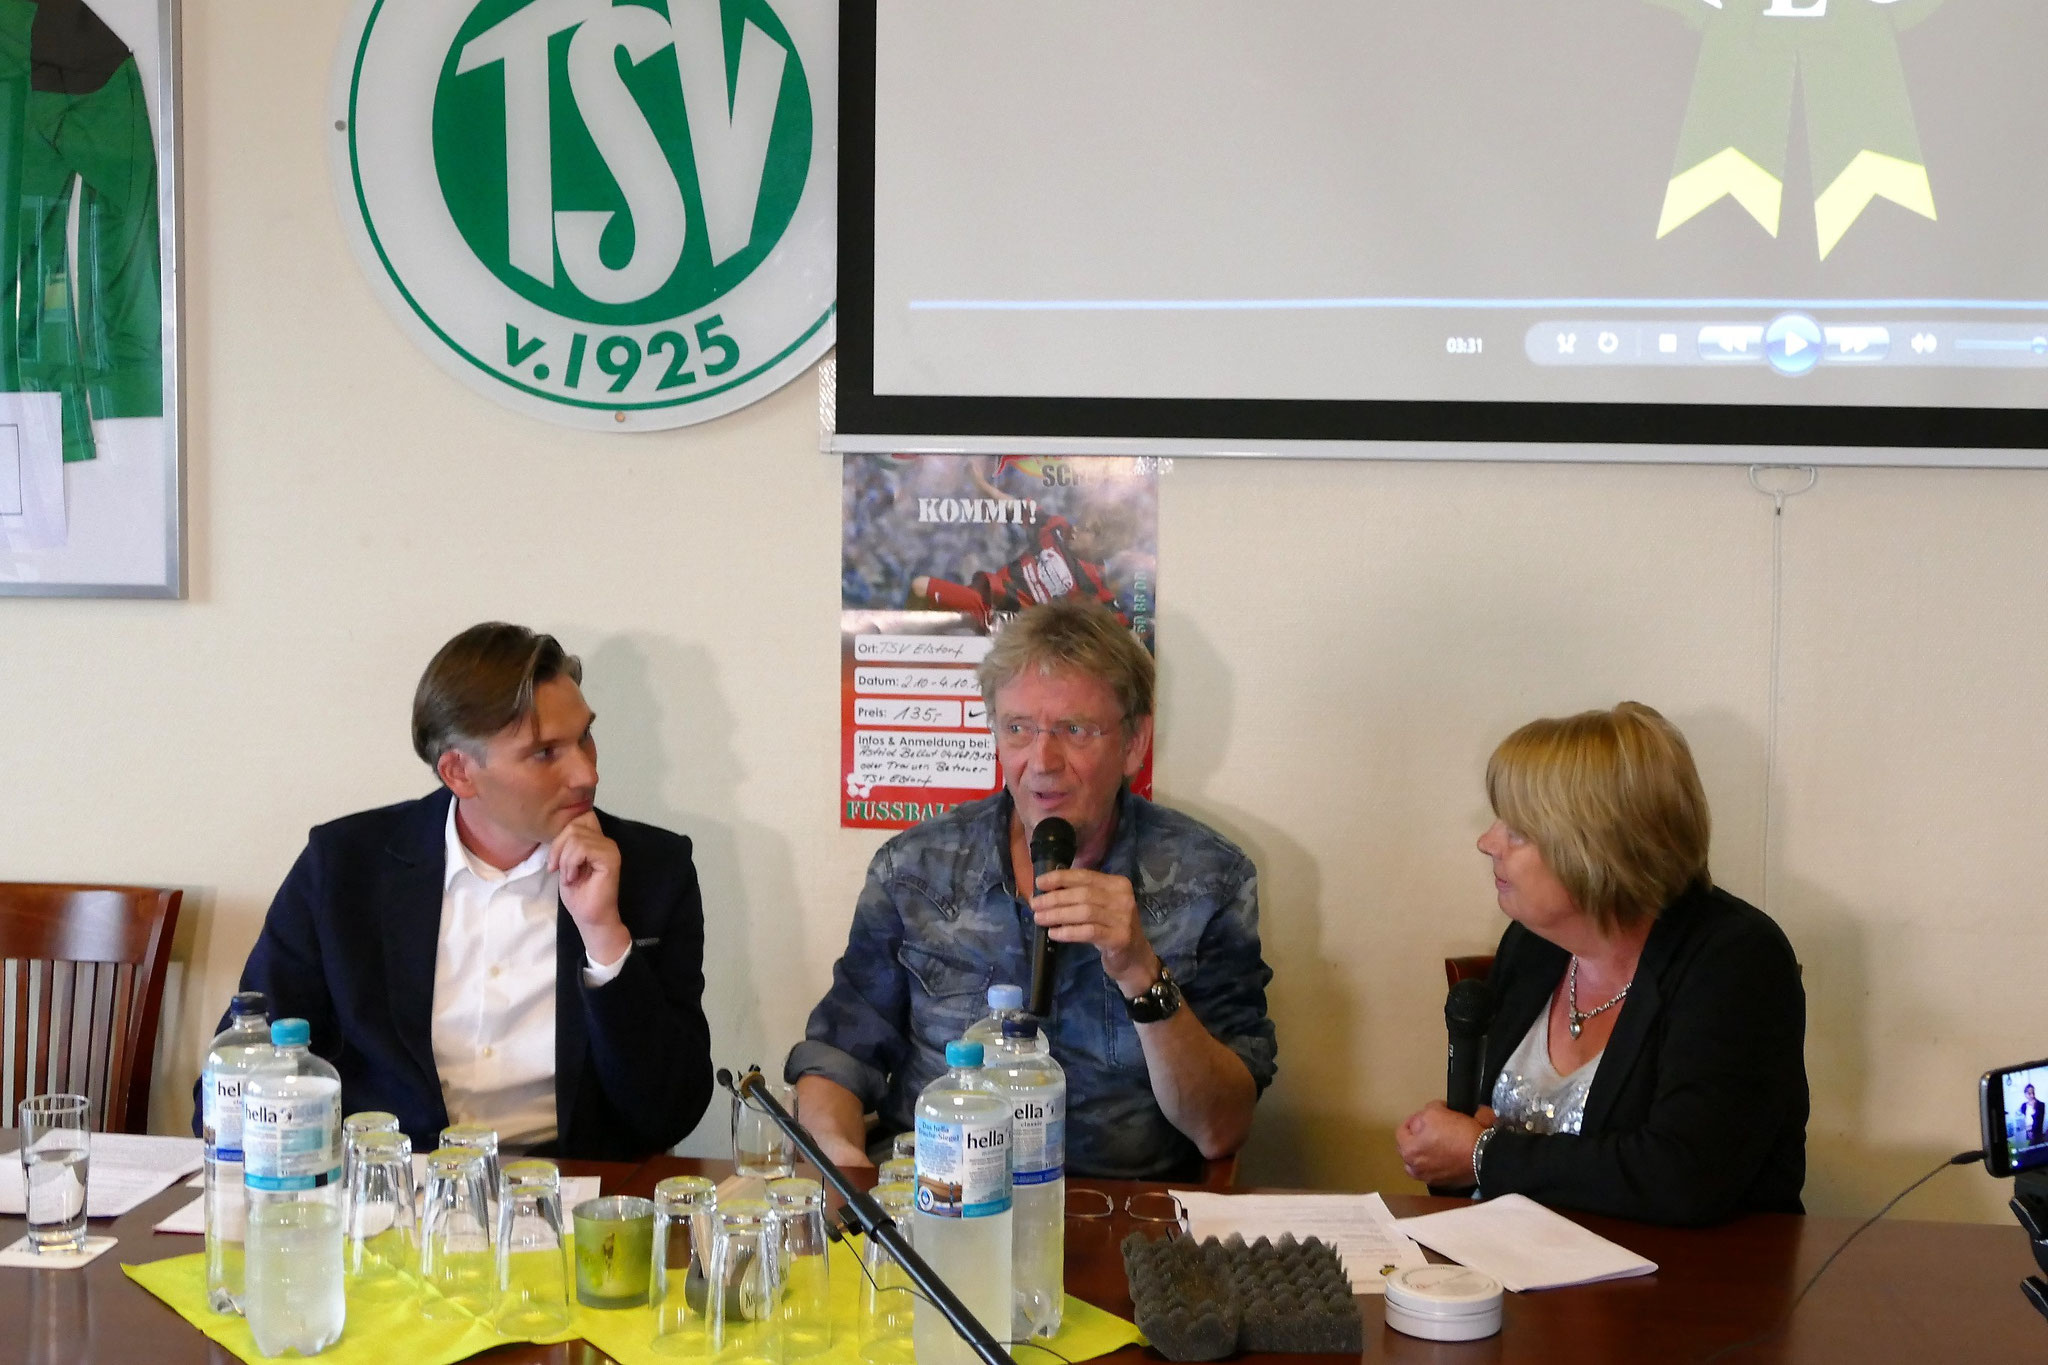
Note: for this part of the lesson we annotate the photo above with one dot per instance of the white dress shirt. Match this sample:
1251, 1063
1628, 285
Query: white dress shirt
494, 992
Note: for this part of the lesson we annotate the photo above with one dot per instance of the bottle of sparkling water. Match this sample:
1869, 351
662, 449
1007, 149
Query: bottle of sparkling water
963, 1203
291, 1143
1036, 1088
1005, 1003
241, 1049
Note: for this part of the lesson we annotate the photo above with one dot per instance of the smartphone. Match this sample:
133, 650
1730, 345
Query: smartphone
2013, 1105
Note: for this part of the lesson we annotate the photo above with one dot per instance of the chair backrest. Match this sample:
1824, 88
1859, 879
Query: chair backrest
1476, 968
81, 986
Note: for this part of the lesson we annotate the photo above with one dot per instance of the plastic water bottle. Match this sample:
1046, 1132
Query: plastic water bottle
242, 1048
1035, 1087
1005, 1003
962, 1223
291, 1143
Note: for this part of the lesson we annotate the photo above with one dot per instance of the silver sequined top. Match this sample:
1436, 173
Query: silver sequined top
1530, 1097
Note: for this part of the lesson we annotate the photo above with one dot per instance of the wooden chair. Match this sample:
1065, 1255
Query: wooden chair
81, 986
1476, 968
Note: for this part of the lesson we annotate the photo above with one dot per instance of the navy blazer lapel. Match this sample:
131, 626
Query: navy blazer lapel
1632, 1026
570, 1038
410, 911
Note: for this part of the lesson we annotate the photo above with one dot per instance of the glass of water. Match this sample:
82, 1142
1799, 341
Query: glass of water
53, 1168
759, 1147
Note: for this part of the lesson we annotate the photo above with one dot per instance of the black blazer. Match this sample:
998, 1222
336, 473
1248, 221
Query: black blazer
349, 946
1698, 1111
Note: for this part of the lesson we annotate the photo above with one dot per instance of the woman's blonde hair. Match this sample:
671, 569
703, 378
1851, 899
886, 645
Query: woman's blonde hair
1613, 802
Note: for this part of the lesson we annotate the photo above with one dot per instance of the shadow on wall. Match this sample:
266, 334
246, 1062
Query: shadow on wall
1292, 1143
686, 776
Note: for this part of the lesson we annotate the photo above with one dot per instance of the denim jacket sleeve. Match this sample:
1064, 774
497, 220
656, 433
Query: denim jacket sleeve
1228, 989
858, 1035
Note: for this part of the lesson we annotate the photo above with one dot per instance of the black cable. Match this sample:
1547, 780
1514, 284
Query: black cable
1959, 1159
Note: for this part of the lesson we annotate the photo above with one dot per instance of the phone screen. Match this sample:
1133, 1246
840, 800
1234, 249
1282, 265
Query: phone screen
2016, 1117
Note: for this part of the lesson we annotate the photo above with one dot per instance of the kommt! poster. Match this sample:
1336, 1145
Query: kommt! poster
940, 551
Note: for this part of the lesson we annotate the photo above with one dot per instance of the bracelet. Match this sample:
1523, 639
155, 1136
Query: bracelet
1478, 1151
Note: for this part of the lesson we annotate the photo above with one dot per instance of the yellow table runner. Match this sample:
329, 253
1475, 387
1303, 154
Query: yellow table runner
380, 1333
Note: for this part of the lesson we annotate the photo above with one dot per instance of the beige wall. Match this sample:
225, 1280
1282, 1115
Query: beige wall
1341, 644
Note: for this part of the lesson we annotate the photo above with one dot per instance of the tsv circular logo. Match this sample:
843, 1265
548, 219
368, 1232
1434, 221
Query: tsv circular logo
616, 214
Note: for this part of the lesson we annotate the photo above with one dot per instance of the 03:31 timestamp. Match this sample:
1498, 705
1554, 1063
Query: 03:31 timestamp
1464, 345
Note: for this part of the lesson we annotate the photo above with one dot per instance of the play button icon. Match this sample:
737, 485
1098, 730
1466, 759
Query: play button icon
1792, 343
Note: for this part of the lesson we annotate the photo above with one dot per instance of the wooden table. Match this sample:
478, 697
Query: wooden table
1907, 1292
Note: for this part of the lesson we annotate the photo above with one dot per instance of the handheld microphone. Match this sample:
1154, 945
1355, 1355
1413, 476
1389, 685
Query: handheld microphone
1052, 848
1468, 1013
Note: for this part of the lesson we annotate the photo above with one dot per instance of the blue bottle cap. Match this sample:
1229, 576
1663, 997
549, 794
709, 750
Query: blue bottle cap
291, 1033
958, 1053
249, 1002
1006, 997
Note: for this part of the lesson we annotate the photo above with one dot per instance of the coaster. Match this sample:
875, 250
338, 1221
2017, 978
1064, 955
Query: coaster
21, 1254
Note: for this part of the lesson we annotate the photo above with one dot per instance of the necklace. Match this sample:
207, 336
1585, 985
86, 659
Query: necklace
1579, 1017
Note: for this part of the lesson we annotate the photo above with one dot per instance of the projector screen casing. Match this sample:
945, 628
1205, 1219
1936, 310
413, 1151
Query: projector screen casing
866, 419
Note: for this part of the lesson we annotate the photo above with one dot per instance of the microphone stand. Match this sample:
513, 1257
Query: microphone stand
865, 1216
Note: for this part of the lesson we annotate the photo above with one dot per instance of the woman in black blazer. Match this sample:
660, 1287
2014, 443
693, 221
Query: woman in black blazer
1647, 1053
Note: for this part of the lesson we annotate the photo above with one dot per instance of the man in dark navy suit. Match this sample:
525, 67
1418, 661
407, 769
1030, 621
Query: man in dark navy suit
500, 952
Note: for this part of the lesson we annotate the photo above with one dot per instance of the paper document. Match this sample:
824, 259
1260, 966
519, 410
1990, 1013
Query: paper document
1524, 1245
192, 1217
124, 1170
1363, 1231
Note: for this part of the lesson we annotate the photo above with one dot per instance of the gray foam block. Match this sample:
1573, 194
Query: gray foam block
1204, 1300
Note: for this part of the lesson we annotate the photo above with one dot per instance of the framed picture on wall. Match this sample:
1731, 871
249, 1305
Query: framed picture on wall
91, 493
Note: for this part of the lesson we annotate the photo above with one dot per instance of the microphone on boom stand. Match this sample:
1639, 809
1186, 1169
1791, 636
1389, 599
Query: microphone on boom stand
1052, 849
865, 1216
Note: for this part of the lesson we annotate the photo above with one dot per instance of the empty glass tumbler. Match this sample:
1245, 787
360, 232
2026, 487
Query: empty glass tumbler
533, 1255
759, 1146
806, 1299
746, 1328
886, 1293
355, 1127
684, 1207
457, 1254
379, 1227
484, 1140
904, 1144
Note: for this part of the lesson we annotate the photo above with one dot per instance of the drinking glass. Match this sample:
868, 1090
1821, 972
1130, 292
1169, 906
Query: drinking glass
746, 1329
897, 1170
378, 1222
904, 1144
614, 1251
806, 1299
683, 1210
357, 1125
455, 1237
54, 1150
886, 1295
759, 1147
533, 1256
485, 1140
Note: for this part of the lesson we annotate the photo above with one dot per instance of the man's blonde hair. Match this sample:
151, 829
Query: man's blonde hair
1077, 635
1613, 802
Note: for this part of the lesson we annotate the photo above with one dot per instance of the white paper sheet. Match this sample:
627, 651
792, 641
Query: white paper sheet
1363, 1230
192, 1217
31, 471
124, 1170
1524, 1245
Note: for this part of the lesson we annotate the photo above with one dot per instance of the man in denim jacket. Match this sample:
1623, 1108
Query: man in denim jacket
1159, 999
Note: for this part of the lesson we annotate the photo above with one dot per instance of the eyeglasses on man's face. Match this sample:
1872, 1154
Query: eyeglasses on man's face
1078, 734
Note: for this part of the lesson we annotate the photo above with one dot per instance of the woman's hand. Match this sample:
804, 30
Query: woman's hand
1436, 1144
